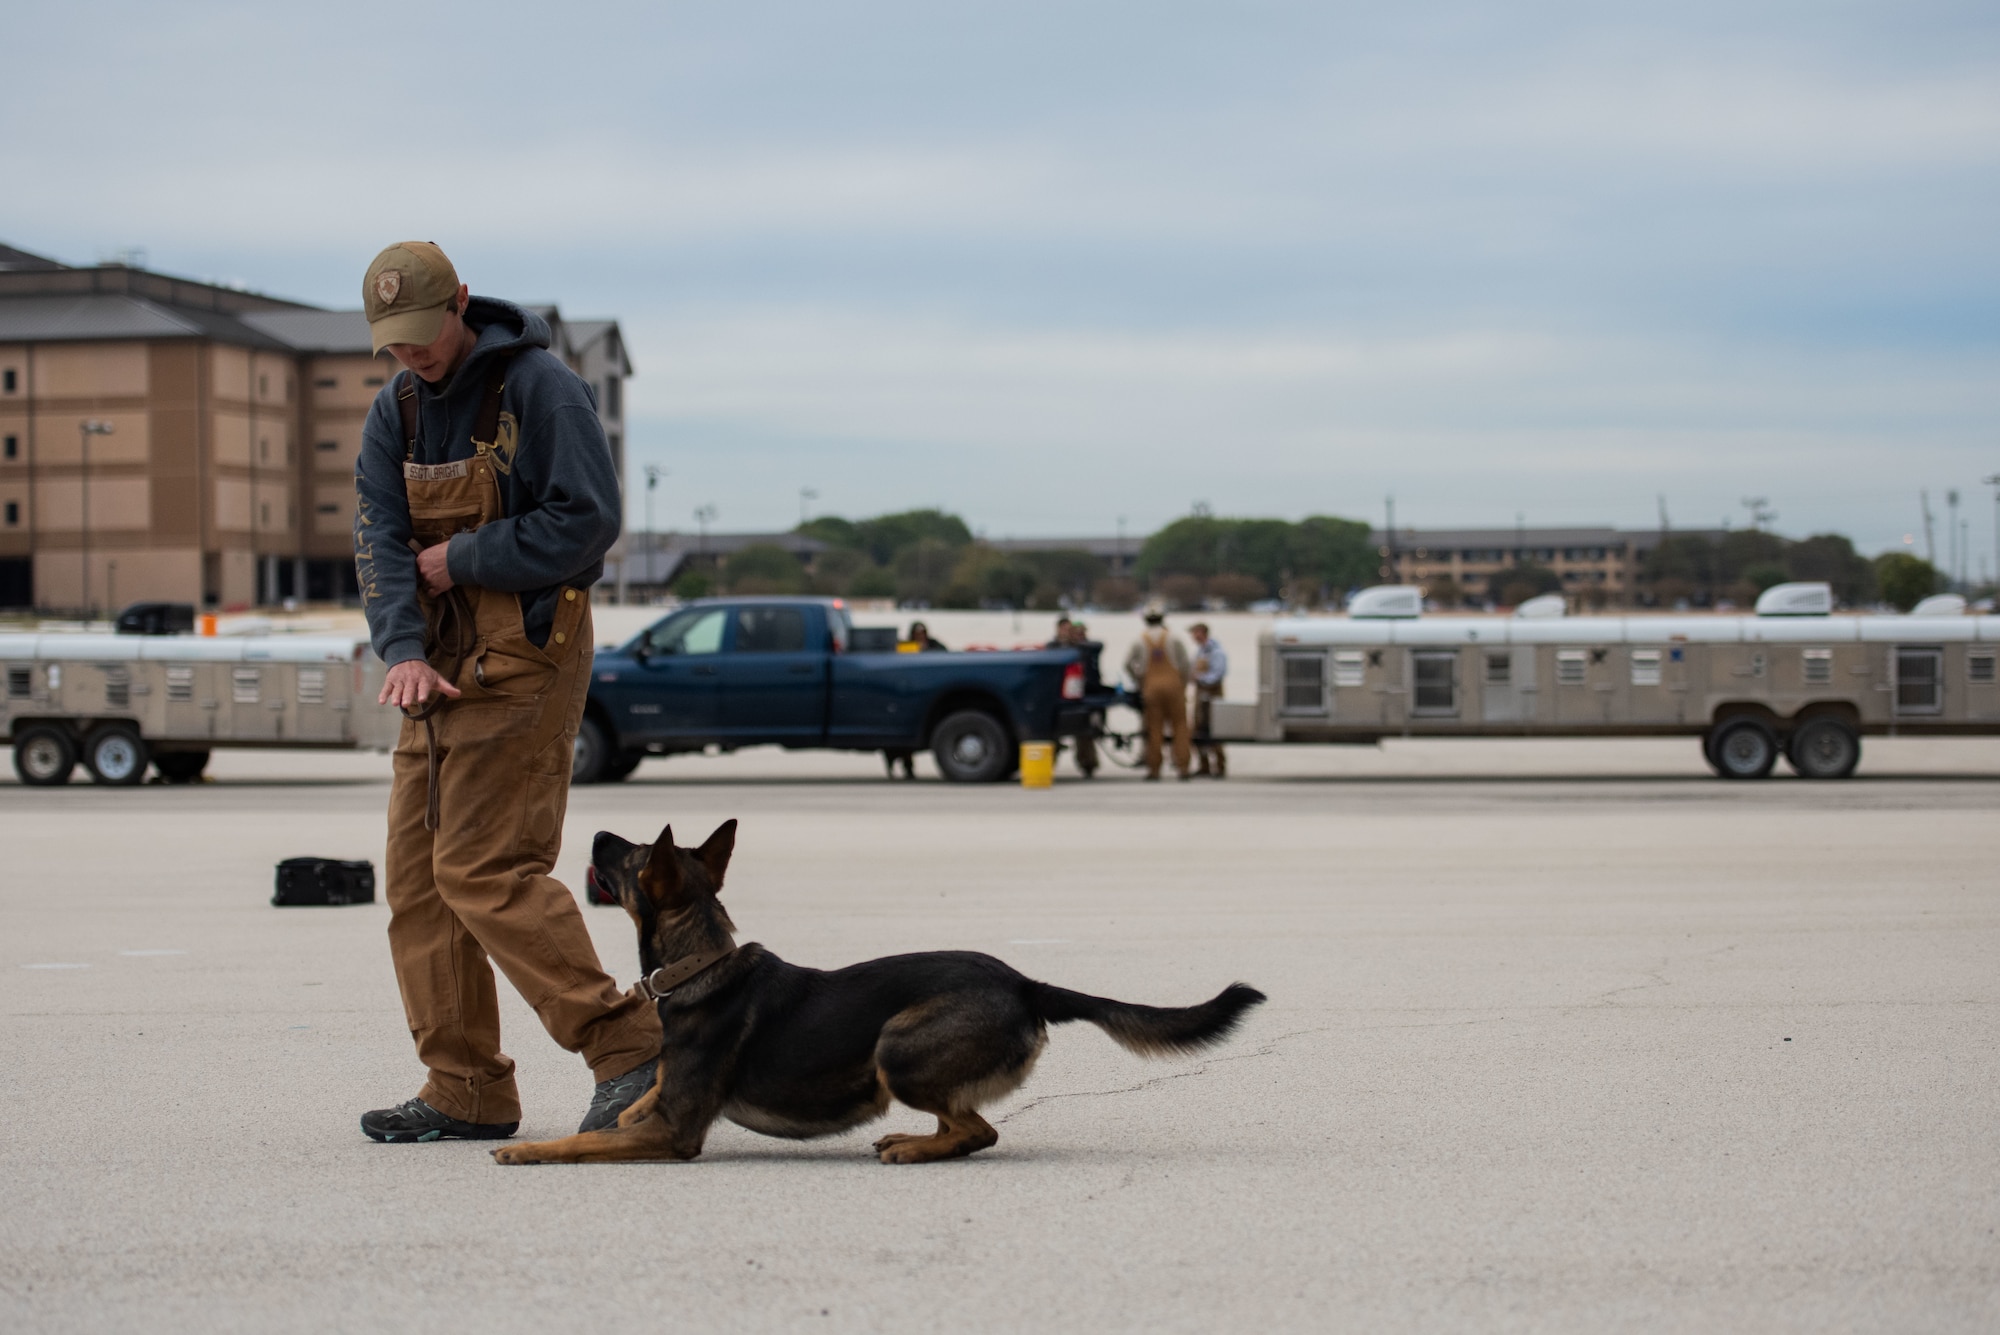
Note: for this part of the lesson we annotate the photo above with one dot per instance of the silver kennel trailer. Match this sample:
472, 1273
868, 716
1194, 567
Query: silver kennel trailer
119, 703
1792, 680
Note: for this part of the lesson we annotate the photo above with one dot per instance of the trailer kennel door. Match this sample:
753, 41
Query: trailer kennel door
1434, 681
1302, 679
1919, 680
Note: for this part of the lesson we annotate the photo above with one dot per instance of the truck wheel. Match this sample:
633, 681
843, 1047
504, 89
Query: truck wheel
181, 766
1823, 748
592, 753
114, 755
971, 747
1743, 748
44, 756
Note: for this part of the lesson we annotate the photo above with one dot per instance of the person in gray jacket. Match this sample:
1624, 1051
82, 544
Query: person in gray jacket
487, 500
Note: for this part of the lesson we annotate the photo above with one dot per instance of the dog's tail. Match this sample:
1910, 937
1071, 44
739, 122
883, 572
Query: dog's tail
1151, 1031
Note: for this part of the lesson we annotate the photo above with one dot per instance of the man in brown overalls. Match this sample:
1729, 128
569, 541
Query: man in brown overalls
487, 499
1158, 664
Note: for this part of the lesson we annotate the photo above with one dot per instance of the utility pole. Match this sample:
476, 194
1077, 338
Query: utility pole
1930, 538
1951, 536
806, 496
653, 475
1388, 575
1993, 481
1120, 571
1760, 510
86, 429
703, 516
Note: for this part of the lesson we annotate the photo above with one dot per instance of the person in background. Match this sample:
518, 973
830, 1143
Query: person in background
1072, 635
1158, 665
907, 759
1211, 664
920, 635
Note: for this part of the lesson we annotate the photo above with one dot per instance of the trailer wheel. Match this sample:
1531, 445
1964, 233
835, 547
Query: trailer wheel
181, 766
115, 755
1743, 748
1823, 748
592, 753
44, 756
971, 747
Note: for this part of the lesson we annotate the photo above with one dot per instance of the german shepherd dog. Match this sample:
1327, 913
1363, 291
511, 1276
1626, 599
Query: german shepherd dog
795, 1052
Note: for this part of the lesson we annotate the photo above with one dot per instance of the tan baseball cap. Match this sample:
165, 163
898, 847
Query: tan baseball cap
405, 293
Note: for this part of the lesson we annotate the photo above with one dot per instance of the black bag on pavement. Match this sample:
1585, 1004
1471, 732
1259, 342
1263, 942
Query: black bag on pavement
324, 881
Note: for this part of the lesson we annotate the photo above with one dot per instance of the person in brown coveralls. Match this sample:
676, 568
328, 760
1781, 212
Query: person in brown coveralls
487, 499
1158, 664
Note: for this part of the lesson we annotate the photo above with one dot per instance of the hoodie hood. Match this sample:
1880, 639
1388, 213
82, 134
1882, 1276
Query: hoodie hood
503, 328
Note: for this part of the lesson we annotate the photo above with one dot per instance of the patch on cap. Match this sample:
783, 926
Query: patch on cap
388, 284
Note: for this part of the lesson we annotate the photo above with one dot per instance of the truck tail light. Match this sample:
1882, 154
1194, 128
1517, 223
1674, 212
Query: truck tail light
1072, 687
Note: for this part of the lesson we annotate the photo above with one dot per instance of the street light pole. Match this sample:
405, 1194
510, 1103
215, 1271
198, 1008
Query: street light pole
1994, 482
806, 495
653, 475
86, 429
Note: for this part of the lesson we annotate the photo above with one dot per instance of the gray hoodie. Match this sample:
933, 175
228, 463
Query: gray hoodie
559, 492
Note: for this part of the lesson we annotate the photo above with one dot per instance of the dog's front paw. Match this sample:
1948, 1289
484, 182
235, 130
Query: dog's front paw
896, 1139
515, 1154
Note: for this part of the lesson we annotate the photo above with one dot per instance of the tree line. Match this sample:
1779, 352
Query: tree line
930, 557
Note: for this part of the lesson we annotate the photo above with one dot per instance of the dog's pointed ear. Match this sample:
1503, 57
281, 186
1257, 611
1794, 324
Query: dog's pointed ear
661, 876
715, 853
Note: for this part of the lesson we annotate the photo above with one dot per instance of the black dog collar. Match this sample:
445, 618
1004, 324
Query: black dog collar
663, 980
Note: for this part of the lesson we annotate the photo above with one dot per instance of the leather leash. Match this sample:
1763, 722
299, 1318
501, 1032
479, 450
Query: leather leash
656, 985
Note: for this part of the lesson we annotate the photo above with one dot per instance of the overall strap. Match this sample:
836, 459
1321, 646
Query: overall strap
486, 429
406, 404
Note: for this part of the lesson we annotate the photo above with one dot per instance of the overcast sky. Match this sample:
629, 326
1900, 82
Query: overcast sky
1052, 264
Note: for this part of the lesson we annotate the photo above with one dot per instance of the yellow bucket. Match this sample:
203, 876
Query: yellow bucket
1038, 764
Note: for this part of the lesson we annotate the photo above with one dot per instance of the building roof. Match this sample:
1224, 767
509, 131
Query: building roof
314, 331
13, 260
583, 333
1107, 548
103, 315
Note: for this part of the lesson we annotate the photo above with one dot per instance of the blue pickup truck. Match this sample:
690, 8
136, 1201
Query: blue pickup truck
795, 672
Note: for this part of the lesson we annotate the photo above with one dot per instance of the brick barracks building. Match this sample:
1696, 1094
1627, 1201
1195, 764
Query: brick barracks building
172, 440
1597, 566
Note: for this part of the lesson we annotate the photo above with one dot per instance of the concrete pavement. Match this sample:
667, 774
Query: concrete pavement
1604, 1045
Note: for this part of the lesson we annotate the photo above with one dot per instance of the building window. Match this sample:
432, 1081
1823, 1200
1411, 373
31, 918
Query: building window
1818, 666
14, 517
327, 509
326, 382
1570, 665
373, 382
1978, 667
13, 447
327, 445
1350, 668
1645, 667
9, 379
612, 387
1499, 669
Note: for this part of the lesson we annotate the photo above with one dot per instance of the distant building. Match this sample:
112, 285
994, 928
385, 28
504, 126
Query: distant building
226, 478
1592, 563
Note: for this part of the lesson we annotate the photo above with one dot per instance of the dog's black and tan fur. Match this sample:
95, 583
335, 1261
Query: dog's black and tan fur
799, 1052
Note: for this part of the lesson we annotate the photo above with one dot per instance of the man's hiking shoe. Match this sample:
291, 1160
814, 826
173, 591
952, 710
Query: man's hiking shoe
615, 1096
416, 1120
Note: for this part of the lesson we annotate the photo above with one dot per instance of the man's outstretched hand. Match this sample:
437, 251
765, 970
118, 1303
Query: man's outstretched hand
410, 683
